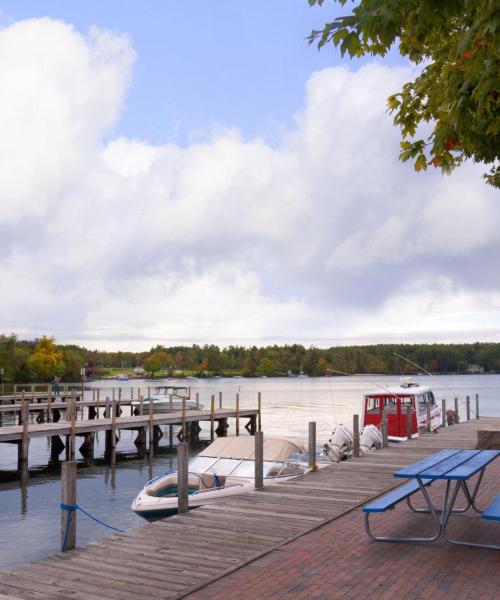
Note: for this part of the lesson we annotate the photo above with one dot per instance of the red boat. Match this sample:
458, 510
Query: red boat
395, 400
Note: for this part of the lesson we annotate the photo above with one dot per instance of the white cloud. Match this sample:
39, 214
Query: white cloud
327, 237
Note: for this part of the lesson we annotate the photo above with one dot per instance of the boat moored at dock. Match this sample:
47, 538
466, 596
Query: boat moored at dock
168, 398
395, 402
224, 468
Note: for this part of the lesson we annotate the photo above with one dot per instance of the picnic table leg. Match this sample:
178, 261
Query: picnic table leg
471, 498
432, 510
454, 511
462, 484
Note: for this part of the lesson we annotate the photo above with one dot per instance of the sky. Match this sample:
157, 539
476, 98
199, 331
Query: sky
195, 172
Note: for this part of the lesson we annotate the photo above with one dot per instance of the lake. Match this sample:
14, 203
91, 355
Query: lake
30, 514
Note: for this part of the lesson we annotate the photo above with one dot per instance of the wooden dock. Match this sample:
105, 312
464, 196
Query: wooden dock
176, 556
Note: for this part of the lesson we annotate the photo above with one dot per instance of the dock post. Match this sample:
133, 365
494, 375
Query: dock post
72, 409
197, 401
182, 478
26, 436
383, 427
477, 406
68, 499
428, 417
312, 446
184, 429
237, 414
113, 425
107, 433
443, 412
212, 408
220, 400
141, 405
408, 423
259, 460
97, 404
355, 435
457, 417
467, 407
259, 406
151, 428
49, 404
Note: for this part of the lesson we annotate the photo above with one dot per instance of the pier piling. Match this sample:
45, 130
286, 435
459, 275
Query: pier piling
259, 460
68, 499
383, 427
312, 446
182, 478
355, 436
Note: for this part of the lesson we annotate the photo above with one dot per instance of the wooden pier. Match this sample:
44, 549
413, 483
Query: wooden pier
174, 557
106, 412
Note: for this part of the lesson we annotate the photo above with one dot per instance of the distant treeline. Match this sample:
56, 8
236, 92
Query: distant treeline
41, 360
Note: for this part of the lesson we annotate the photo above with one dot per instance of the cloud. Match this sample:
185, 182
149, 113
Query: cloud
322, 238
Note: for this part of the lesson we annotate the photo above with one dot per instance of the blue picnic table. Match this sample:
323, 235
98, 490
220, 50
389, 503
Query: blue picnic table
456, 468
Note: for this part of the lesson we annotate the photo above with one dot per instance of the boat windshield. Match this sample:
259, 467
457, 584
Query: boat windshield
200, 464
272, 468
224, 466
245, 469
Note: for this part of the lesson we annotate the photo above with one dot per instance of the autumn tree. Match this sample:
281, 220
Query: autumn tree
265, 368
46, 361
154, 362
457, 89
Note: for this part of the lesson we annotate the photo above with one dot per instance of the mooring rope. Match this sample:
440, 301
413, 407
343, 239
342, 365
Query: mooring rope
71, 508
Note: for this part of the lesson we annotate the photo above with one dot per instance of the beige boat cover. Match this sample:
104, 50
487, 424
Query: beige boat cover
243, 446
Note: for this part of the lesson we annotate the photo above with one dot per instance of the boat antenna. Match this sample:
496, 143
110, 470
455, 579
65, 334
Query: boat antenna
431, 375
412, 363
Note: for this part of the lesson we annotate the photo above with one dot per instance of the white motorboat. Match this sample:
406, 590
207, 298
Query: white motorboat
395, 402
168, 398
224, 468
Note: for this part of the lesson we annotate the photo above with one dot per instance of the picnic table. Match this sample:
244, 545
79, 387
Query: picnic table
456, 468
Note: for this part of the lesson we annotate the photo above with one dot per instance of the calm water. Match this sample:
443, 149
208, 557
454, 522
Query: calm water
30, 515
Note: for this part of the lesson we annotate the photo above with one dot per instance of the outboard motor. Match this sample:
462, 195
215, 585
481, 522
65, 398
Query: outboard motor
339, 446
370, 439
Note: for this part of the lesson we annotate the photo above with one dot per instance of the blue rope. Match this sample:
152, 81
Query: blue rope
68, 524
73, 508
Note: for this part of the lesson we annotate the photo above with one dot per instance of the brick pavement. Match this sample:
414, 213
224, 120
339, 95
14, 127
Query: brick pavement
339, 561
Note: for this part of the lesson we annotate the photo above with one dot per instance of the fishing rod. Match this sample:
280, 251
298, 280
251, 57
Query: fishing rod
382, 387
454, 392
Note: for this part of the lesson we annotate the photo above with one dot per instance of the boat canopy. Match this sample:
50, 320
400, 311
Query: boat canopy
242, 447
399, 391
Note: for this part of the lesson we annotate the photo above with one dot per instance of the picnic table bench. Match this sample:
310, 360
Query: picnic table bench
457, 466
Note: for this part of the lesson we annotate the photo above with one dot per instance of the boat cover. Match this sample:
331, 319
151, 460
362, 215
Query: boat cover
242, 447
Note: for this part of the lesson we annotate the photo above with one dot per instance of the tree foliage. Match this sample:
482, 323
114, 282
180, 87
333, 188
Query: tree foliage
25, 361
46, 361
456, 42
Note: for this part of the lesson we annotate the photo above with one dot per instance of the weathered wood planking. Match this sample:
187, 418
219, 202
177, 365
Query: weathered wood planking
171, 558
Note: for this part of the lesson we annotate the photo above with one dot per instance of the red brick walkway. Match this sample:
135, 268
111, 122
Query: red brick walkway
339, 561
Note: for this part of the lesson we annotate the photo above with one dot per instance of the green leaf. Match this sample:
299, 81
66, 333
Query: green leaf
421, 163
